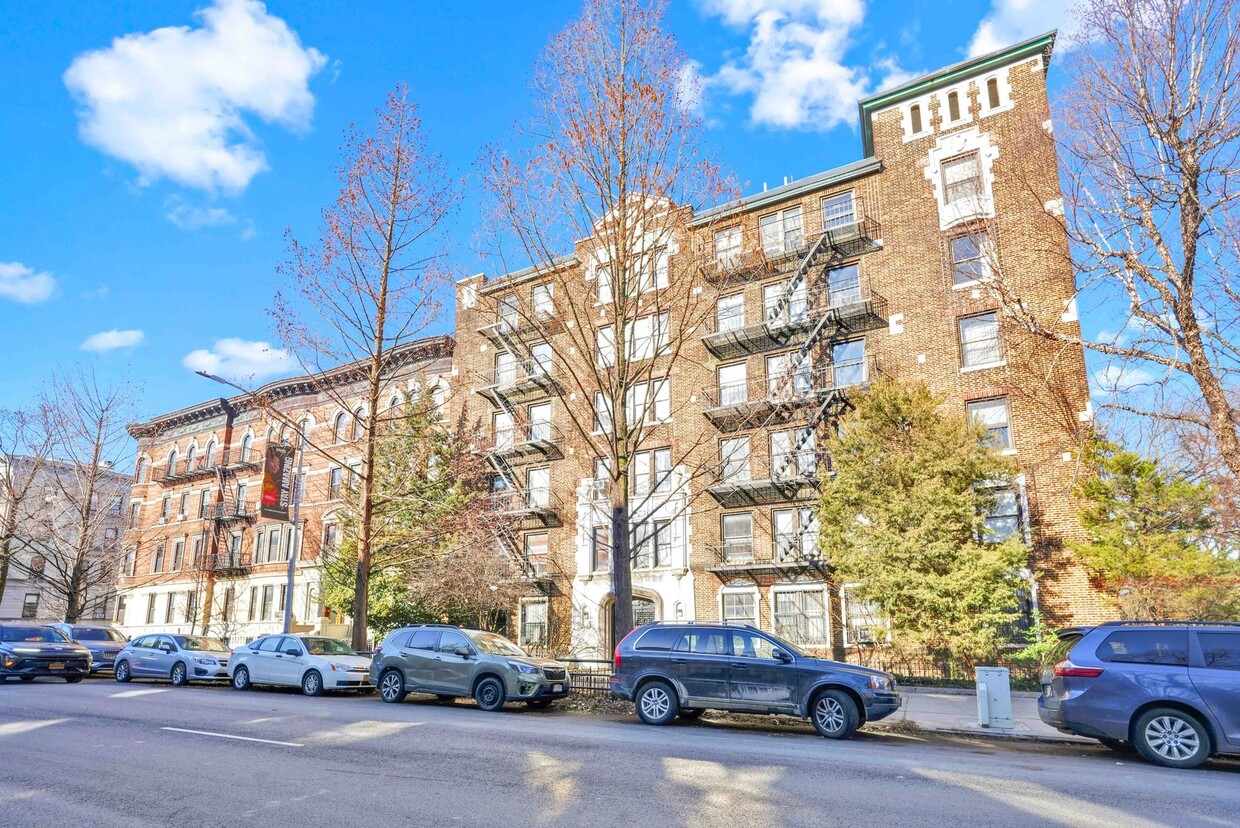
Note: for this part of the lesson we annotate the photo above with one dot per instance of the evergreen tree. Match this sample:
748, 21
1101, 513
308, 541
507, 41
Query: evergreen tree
903, 518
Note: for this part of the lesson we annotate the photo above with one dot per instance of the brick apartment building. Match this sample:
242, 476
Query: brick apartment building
199, 558
878, 267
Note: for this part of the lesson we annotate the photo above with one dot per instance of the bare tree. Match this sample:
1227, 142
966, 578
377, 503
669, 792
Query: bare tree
1149, 136
75, 532
611, 155
370, 283
24, 448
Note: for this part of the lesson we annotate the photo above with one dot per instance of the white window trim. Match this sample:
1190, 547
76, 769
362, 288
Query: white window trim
962, 93
986, 366
906, 119
988, 256
948, 147
1005, 92
777, 589
741, 590
522, 604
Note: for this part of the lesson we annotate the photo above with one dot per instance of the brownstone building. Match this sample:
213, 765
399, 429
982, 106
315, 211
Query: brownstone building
199, 558
884, 266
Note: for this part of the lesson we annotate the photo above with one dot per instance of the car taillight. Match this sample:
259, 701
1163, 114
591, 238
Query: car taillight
615, 660
378, 649
1067, 669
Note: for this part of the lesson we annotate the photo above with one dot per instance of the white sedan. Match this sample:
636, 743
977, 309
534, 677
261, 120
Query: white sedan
311, 662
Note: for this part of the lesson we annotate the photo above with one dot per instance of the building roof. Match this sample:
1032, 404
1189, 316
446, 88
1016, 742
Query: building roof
428, 348
827, 178
1042, 44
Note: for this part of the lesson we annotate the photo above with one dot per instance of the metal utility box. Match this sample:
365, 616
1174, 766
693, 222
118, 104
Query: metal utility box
994, 698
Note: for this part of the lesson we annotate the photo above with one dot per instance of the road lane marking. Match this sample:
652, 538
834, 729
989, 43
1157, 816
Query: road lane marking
230, 736
129, 694
14, 728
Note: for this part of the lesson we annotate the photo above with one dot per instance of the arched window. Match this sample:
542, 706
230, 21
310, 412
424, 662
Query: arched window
247, 445
339, 428
140, 474
357, 424
172, 461
210, 459
439, 395
190, 454
992, 93
914, 118
953, 106
394, 402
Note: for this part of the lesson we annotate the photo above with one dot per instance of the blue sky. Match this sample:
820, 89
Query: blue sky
155, 152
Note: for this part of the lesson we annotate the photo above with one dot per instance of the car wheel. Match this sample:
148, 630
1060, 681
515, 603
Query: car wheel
121, 673
690, 713
180, 675
1117, 745
73, 679
312, 683
392, 687
489, 694
835, 714
657, 703
241, 679
1171, 738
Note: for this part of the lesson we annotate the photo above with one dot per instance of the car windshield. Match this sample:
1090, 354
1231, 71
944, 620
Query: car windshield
493, 644
193, 642
37, 634
327, 647
96, 634
784, 645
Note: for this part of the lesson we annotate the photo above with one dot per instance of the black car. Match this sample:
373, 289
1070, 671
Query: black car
104, 642
32, 650
672, 670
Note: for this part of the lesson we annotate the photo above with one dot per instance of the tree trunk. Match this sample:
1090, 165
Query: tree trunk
621, 575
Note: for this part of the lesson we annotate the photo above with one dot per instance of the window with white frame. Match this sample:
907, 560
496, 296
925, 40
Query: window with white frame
786, 377
150, 609
955, 109
178, 555
247, 446
848, 363
995, 417
170, 608
650, 335
728, 246
652, 271
969, 258
505, 369
134, 508
651, 471
539, 422
602, 413
979, 340
544, 301
131, 561
781, 306
196, 550
543, 356
600, 548
795, 534
735, 455
273, 544
30, 605
331, 536
864, 622
534, 631
602, 285
838, 211
844, 285
730, 313
536, 552
653, 544
962, 179
121, 606
733, 384
157, 562
649, 402
509, 312
538, 488
736, 529
1004, 518
801, 615
917, 121
505, 437
781, 232
793, 454
334, 479
605, 346
739, 607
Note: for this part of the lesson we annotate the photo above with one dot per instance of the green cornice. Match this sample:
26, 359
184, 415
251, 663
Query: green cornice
1041, 44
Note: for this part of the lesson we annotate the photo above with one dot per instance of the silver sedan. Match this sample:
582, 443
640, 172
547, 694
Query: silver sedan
178, 658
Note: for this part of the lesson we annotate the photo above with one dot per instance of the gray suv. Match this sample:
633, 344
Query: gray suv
104, 642
671, 670
451, 662
1169, 689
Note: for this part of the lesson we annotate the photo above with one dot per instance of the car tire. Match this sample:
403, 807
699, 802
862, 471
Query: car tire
73, 679
489, 694
690, 713
392, 687
241, 679
834, 714
657, 703
121, 673
312, 683
179, 674
1172, 738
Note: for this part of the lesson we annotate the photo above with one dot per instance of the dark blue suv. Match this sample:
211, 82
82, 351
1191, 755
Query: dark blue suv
671, 670
1169, 689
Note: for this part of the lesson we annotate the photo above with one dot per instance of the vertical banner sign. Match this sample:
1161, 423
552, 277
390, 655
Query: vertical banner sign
277, 482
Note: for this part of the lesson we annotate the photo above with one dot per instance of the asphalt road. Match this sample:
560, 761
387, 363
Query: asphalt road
104, 754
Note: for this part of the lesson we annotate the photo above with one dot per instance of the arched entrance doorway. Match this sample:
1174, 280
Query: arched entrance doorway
645, 611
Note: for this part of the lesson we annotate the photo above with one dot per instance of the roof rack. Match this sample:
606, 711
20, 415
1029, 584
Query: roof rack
1154, 623
701, 624
411, 626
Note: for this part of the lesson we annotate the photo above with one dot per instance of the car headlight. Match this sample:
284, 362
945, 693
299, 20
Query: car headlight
881, 683
205, 660
339, 668
523, 668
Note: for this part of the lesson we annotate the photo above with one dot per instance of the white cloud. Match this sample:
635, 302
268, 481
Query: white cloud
23, 284
111, 340
238, 359
794, 65
190, 217
1118, 378
1011, 21
173, 101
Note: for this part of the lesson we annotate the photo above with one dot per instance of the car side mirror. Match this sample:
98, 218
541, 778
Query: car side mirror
464, 652
292, 651
780, 655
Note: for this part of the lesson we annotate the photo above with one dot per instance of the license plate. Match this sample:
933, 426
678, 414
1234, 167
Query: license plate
365, 679
557, 688
56, 665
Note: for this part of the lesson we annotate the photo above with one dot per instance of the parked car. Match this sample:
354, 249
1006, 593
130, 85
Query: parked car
452, 662
31, 650
311, 662
1169, 689
104, 642
179, 658
671, 670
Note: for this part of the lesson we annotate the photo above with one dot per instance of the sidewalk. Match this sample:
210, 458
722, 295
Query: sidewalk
955, 711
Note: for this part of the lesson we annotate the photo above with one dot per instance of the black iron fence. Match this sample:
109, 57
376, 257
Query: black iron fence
591, 676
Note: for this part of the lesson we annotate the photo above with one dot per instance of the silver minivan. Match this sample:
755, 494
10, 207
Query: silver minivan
178, 658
